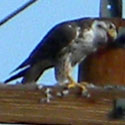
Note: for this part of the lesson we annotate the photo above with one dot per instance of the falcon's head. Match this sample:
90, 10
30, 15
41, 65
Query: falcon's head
104, 31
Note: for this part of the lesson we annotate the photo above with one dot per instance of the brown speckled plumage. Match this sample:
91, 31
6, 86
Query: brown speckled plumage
66, 45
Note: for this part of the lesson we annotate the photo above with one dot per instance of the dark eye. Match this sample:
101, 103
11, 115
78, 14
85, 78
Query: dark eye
99, 26
110, 27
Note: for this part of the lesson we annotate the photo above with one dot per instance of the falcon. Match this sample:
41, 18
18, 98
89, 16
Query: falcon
64, 46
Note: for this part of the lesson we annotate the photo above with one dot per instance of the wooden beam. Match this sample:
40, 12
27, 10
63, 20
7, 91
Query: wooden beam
22, 104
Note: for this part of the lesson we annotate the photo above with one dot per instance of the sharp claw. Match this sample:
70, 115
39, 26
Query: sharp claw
71, 85
83, 87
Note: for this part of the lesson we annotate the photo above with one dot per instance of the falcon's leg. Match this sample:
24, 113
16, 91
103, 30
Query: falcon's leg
71, 81
63, 72
73, 84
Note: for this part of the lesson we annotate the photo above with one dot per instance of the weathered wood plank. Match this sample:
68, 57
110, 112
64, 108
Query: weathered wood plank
18, 105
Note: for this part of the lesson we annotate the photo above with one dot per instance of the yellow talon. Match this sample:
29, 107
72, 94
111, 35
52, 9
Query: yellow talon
72, 85
83, 86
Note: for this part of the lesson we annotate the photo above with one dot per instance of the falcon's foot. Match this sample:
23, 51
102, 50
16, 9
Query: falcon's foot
82, 86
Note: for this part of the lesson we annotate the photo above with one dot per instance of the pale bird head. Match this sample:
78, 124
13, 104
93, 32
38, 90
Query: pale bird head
108, 26
105, 31
111, 30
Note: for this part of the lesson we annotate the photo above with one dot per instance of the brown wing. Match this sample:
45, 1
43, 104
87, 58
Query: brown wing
56, 39
43, 56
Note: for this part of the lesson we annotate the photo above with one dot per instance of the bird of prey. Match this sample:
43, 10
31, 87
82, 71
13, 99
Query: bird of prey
66, 45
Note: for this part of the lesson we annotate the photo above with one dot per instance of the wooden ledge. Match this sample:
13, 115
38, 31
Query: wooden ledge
22, 104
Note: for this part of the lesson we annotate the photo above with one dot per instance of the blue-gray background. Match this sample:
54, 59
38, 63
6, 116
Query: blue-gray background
20, 35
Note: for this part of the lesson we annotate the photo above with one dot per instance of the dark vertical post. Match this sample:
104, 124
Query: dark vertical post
111, 8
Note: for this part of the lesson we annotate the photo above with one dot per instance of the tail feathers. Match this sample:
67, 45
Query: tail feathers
31, 73
20, 74
22, 65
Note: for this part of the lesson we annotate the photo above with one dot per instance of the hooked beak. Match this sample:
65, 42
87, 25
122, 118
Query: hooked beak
112, 33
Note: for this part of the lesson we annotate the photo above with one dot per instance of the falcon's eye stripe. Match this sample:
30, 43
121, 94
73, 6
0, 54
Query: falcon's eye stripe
100, 26
110, 26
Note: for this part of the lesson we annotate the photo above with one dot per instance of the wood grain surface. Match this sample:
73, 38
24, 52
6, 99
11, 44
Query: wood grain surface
22, 104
